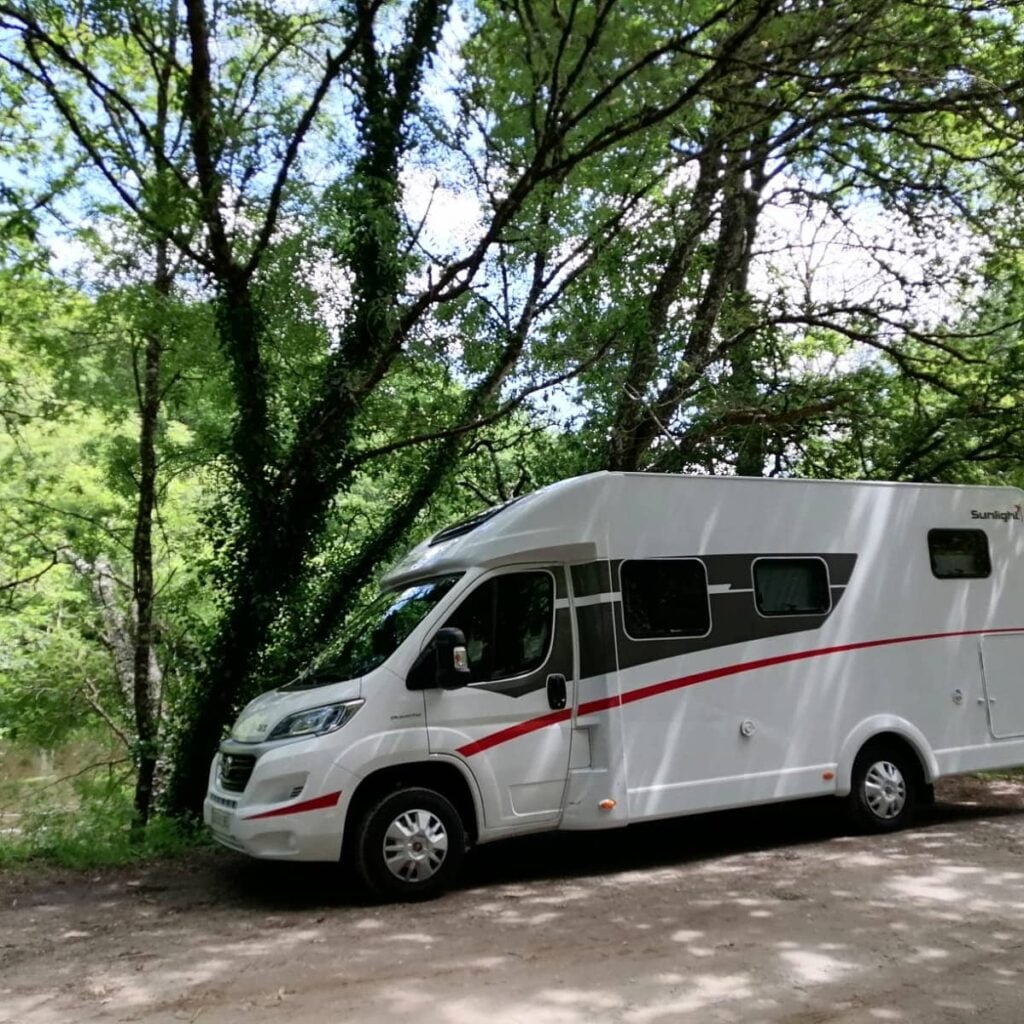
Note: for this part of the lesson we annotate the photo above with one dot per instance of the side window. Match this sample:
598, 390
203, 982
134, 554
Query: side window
508, 625
959, 554
791, 586
665, 597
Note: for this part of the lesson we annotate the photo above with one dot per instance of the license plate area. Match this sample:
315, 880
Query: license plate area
220, 820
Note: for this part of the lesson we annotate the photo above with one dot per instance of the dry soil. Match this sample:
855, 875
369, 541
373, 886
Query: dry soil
759, 916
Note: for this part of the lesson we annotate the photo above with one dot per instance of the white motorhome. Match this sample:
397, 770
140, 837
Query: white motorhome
623, 647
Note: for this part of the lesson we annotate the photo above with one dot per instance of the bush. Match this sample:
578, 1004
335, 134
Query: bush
84, 821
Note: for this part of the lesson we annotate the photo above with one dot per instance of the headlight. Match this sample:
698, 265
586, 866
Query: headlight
315, 721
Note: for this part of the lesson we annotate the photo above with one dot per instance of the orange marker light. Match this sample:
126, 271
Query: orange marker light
606, 805
828, 776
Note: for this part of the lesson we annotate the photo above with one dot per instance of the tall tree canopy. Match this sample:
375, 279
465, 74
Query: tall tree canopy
374, 255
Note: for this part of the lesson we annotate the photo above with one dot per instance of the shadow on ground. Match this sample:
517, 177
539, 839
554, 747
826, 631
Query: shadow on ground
568, 855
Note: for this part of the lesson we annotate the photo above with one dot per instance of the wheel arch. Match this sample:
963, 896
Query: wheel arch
445, 777
897, 731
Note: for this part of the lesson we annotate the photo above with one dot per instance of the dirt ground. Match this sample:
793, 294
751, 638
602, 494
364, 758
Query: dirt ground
769, 915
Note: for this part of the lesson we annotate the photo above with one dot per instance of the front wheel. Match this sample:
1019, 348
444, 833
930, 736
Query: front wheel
884, 789
410, 845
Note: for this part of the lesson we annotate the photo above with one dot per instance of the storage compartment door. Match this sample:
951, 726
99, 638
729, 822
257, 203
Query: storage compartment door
1002, 659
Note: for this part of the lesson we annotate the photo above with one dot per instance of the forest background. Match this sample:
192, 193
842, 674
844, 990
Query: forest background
285, 286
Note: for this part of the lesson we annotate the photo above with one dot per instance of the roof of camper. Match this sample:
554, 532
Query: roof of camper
545, 525
571, 521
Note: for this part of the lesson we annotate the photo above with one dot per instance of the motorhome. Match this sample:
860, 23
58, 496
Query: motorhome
622, 647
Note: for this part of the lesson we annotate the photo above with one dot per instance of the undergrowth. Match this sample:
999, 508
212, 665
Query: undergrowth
83, 821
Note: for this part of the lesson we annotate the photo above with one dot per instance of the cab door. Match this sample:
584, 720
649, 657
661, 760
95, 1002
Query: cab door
511, 724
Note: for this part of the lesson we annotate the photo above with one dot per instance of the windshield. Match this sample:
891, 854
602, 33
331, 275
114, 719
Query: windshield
372, 636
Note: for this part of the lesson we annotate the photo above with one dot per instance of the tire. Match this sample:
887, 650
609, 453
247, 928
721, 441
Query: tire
410, 845
885, 788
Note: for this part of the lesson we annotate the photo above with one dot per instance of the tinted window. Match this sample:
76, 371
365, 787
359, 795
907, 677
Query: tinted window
791, 586
665, 597
507, 622
959, 554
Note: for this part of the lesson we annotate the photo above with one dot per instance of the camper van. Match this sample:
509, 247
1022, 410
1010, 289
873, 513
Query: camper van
623, 647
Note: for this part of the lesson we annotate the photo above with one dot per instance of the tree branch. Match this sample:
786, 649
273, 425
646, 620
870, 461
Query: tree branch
334, 67
34, 577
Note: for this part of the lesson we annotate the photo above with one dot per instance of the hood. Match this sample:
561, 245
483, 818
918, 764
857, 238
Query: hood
260, 716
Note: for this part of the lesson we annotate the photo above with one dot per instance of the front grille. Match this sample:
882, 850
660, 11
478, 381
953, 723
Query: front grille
235, 770
223, 801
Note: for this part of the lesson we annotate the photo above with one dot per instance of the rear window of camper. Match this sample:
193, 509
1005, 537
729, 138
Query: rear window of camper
959, 554
665, 597
791, 586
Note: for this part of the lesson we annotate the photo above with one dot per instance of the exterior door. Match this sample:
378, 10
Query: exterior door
512, 723
1002, 657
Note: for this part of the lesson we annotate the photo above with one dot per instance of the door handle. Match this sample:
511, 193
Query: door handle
556, 691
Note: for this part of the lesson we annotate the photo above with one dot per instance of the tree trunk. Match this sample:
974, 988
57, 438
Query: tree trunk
146, 672
744, 383
146, 675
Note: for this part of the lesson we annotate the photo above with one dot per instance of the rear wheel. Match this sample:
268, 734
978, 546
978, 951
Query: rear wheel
410, 845
885, 787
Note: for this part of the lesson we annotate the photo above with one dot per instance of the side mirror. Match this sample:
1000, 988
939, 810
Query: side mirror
442, 663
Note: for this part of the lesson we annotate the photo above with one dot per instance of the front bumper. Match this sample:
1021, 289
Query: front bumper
292, 808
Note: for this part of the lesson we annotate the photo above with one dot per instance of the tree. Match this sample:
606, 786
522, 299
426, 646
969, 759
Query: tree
287, 471
827, 115
617, 163
69, 509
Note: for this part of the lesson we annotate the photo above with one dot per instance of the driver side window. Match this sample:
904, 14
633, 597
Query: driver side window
508, 623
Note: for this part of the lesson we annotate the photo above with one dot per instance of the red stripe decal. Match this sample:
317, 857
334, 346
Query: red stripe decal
591, 706
513, 731
607, 703
316, 804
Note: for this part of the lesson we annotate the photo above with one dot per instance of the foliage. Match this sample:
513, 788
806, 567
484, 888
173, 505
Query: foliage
67, 498
350, 270
84, 822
